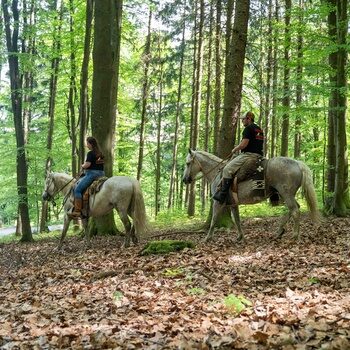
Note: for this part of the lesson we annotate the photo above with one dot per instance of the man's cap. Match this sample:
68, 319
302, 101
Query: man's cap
247, 114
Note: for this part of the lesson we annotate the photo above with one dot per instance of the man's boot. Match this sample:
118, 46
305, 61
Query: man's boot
222, 195
78, 203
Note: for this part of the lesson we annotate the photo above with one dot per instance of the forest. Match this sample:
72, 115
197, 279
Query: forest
151, 80
174, 87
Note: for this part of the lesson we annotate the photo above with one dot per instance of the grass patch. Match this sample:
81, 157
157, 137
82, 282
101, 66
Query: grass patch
56, 234
165, 246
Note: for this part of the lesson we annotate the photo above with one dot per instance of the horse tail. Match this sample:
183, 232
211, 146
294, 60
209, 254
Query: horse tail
138, 210
309, 192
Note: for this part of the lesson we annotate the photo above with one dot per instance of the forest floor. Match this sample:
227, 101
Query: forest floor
260, 294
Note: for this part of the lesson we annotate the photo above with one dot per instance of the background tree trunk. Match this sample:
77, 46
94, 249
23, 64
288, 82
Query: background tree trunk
16, 100
286, 78
84, 78
55, 62
145, 92
107, 31
171, 195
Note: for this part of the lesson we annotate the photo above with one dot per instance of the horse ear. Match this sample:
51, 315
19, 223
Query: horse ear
190, 151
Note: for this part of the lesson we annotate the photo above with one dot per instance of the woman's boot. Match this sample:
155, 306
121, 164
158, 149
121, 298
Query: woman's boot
78, 203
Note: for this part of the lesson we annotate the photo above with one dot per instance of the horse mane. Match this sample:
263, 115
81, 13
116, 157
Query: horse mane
209, 155
63, 175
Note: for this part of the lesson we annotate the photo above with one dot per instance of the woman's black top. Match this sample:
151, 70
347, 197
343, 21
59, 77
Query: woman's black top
96, 162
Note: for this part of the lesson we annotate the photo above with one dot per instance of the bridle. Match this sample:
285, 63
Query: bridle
51, 197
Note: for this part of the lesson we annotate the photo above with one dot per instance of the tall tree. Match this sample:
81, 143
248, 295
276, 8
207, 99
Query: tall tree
84, 78
197, 90
299, 85
12, 32
171, 194
55, 62
274, 86
106, 51
234, 78
337, 153
269, 71
159, 125
145, 92
217, 103
286, 78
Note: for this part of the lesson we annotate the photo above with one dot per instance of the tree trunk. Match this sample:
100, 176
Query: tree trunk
341, 188
71, 117
267, 107
159, 127
55, 62
234, 78
106, 53
16, 99
207, 126
274, 127
333, 99
233, 87
299, 85
218, 59
171, 196
197, 102
84, 78
286, 77
145, 92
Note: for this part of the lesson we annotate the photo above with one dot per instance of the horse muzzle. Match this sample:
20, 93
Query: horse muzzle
46, 196
187, 179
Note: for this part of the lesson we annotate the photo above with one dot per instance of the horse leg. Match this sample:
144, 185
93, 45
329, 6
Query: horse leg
66, 222
127, 225
86, 232
134, 238
236, 219
217, 208
293, 211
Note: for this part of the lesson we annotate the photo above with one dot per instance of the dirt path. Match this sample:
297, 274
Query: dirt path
291, 295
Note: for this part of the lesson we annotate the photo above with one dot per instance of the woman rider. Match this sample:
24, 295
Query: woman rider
93, 168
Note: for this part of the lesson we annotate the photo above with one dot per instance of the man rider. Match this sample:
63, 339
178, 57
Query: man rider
251, 147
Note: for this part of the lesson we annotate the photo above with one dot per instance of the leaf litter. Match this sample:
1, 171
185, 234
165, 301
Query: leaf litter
261, 294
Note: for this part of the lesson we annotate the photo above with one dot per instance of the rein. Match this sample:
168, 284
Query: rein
204, 174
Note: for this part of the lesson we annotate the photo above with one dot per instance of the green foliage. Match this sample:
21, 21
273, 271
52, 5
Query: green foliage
173, 272
196, 291
236, 304
313, 280
165, 246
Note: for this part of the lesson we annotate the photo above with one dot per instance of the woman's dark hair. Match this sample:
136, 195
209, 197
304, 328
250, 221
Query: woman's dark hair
95, 147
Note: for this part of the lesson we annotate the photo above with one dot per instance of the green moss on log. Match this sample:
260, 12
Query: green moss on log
165, 246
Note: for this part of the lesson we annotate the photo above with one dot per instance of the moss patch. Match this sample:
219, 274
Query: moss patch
165, 246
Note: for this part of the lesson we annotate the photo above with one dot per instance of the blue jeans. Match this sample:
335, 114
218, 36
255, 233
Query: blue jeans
85, 181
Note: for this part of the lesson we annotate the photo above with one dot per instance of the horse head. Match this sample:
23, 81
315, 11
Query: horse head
49, 190
192, 167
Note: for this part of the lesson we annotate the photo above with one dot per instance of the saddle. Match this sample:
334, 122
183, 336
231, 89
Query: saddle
94, 188
253, 169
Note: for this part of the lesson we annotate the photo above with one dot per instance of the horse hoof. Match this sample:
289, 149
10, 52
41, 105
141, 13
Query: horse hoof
240, 239
207, 239
280, 234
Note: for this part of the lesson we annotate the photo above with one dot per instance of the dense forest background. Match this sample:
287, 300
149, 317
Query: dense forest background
150, 79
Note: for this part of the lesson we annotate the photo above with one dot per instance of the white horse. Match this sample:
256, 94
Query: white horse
119, 192
282, 174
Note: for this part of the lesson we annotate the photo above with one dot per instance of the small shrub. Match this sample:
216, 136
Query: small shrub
236, 304
196, 291
175, 272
